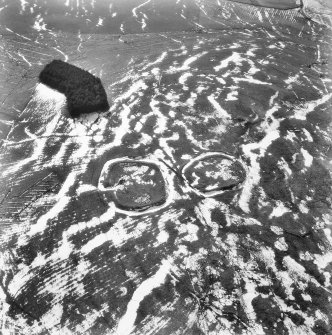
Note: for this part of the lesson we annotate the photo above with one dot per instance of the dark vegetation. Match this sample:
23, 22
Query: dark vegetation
84, 92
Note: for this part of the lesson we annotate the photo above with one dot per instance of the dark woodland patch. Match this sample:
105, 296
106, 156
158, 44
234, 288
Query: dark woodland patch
84, 92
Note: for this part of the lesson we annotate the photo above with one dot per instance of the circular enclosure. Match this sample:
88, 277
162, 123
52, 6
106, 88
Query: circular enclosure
133, 185
213, 173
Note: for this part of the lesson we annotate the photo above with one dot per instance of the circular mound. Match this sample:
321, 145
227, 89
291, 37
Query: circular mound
133, 185
214, 173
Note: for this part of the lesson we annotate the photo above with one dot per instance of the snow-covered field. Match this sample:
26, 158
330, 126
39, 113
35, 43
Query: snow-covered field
200, 203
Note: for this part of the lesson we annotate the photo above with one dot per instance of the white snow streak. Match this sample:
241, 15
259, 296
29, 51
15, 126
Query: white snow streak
126, 324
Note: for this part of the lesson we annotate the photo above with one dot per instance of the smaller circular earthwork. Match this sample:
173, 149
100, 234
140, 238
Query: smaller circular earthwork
214, 173
133, 185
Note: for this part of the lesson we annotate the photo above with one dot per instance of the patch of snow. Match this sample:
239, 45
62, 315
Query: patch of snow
281, 244
39, 24
163, 237
221, 111
100, 22
234, 58
279, 210
308, 159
